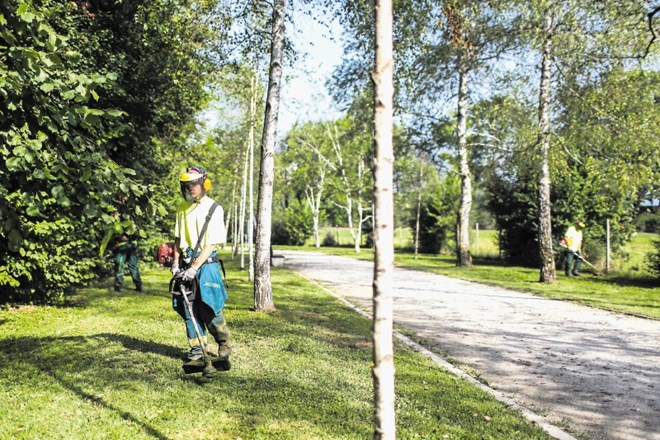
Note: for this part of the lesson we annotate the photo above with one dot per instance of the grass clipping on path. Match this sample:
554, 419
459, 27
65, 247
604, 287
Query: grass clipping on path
109, 366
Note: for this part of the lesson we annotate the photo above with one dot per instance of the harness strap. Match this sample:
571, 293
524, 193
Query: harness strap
206, 225
199, 242
217, 259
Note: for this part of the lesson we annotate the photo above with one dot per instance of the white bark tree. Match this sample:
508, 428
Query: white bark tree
306, 155
263, 292
464, 257
351, 187
383, 347
241, 226
314, 194
547, 273
418, 210
251, 224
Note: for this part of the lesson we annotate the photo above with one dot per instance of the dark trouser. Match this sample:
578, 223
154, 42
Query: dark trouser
573, 263
127, 256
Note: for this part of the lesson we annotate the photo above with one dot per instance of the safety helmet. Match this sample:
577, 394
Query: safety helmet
194, 175
581, 224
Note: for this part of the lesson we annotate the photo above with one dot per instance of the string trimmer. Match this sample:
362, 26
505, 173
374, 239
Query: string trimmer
209, 365
582, 259
183, 289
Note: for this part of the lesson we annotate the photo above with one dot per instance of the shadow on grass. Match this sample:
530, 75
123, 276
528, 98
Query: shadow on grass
63, 359
644, 283
89, 366
100, 402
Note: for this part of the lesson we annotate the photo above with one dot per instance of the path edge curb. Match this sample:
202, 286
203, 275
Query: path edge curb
529, 415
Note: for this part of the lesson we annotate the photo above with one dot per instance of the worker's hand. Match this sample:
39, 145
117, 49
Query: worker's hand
189, 274
174, 269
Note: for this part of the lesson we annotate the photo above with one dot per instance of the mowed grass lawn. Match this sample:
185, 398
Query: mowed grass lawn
108, 366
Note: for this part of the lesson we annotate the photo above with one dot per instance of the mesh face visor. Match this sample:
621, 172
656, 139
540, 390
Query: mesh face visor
191, 183
192, 177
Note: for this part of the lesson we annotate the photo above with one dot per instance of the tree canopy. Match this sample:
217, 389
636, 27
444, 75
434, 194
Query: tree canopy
105, 102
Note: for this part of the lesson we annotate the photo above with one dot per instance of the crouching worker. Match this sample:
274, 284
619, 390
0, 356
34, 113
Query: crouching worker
198, 229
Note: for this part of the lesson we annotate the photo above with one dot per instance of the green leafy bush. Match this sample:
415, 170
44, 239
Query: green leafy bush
648, 221
88, 121
329, 240
654, 259
293, 225
53, 178
436, 226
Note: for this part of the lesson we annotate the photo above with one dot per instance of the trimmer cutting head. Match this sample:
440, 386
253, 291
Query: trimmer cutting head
201, 366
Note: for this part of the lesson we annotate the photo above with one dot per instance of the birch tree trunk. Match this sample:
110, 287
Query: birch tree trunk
316, 213
383, 351
547, 273
360, 209
348, 207
235, 203
313, 196
419, 208
253, 111
263, 291
314, 189
464, 258
230, 214
241, 227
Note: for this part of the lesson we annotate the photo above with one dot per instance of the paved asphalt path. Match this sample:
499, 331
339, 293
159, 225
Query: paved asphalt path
594, 372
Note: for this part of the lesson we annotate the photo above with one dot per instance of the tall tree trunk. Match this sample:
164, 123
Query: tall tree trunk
241, 227
317, 215
347, 189
360, 209
253, 115
419, 207
358, 230
348, 208
235, 203
315, 228
263, 291
547, 274
313, 196
230, 213
383, 351
464, 258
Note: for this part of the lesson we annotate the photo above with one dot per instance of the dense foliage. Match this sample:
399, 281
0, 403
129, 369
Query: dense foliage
293, 224
100, 104
603, 147
90, 118
605, 162
654, 259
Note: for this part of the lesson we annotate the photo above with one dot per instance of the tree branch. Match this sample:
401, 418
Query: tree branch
650, 16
